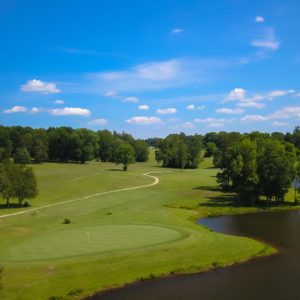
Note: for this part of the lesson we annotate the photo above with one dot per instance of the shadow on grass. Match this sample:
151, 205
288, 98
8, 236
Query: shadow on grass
13, 206
208, 188
230, 200
115, 170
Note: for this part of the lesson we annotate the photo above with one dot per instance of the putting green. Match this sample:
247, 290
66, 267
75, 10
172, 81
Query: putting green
72, 242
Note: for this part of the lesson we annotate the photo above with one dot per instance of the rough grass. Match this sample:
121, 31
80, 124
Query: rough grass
116, 238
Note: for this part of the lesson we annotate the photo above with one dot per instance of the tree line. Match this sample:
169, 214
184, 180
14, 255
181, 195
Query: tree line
65, 144
179, 151
257, 165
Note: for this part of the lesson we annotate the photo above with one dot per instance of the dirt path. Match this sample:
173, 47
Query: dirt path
156, 181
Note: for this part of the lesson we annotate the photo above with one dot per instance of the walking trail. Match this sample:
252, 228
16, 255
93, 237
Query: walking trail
156, 181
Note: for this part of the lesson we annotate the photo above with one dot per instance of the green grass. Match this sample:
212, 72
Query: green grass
115, 238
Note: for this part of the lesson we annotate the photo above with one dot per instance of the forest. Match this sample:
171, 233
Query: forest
253, 165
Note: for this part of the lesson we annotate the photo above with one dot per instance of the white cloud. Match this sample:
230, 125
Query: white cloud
259, 19
267, 41
75, 111
154, 75
298, 95
209, 120
193, 107
98, 122
231, 111
215, 125
236, 94
144, 120
284, 113
36, 85
251, 104
280, 124
279, 93
144, 107
254, 118
59, 101
188, 125
110, 94
36, 110
166, 111
177, 30
15, 109
131, 99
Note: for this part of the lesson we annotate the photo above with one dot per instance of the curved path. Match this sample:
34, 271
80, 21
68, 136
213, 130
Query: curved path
156, 181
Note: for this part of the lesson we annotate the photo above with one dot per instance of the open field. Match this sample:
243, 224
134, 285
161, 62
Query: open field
115, 238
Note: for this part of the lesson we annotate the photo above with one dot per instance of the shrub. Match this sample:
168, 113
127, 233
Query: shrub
67, 221
75, 292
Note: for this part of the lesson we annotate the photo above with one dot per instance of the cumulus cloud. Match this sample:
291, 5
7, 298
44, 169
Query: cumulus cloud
268, 40
279, 124
15, 109
166, 111
98, 122
252, 104
177, 30
144, 107
58, 101
259, 19
209, 120
36, 85
144, 120
284, 113
131, 99
215, 125
236, 94
279, 93
193, 107
254, 118
36, 110
72, 111
230, 111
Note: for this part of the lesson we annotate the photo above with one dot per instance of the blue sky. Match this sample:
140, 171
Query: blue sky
151, 67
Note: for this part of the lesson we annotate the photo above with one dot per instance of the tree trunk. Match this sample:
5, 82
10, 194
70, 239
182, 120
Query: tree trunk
7, 201
125, 167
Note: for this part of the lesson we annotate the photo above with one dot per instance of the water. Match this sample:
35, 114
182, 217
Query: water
273, 277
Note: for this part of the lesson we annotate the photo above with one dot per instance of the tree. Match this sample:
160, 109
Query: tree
22, 156
24, 184
211, 149
243, 171
105, 141
9, 172
125, 155
275, 169
141, 150
179, 151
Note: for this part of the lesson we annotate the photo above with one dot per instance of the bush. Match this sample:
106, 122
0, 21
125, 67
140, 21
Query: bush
67, 221
75, 292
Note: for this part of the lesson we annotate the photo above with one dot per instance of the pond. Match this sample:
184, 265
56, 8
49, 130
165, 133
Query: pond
273, 277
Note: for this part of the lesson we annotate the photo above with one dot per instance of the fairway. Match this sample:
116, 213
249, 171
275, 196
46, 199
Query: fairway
124, 226
88, 240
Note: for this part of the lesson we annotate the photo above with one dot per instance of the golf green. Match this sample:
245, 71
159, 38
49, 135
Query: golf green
71, 242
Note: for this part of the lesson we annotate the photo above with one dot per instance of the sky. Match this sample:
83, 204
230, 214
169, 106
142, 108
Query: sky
151, 67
